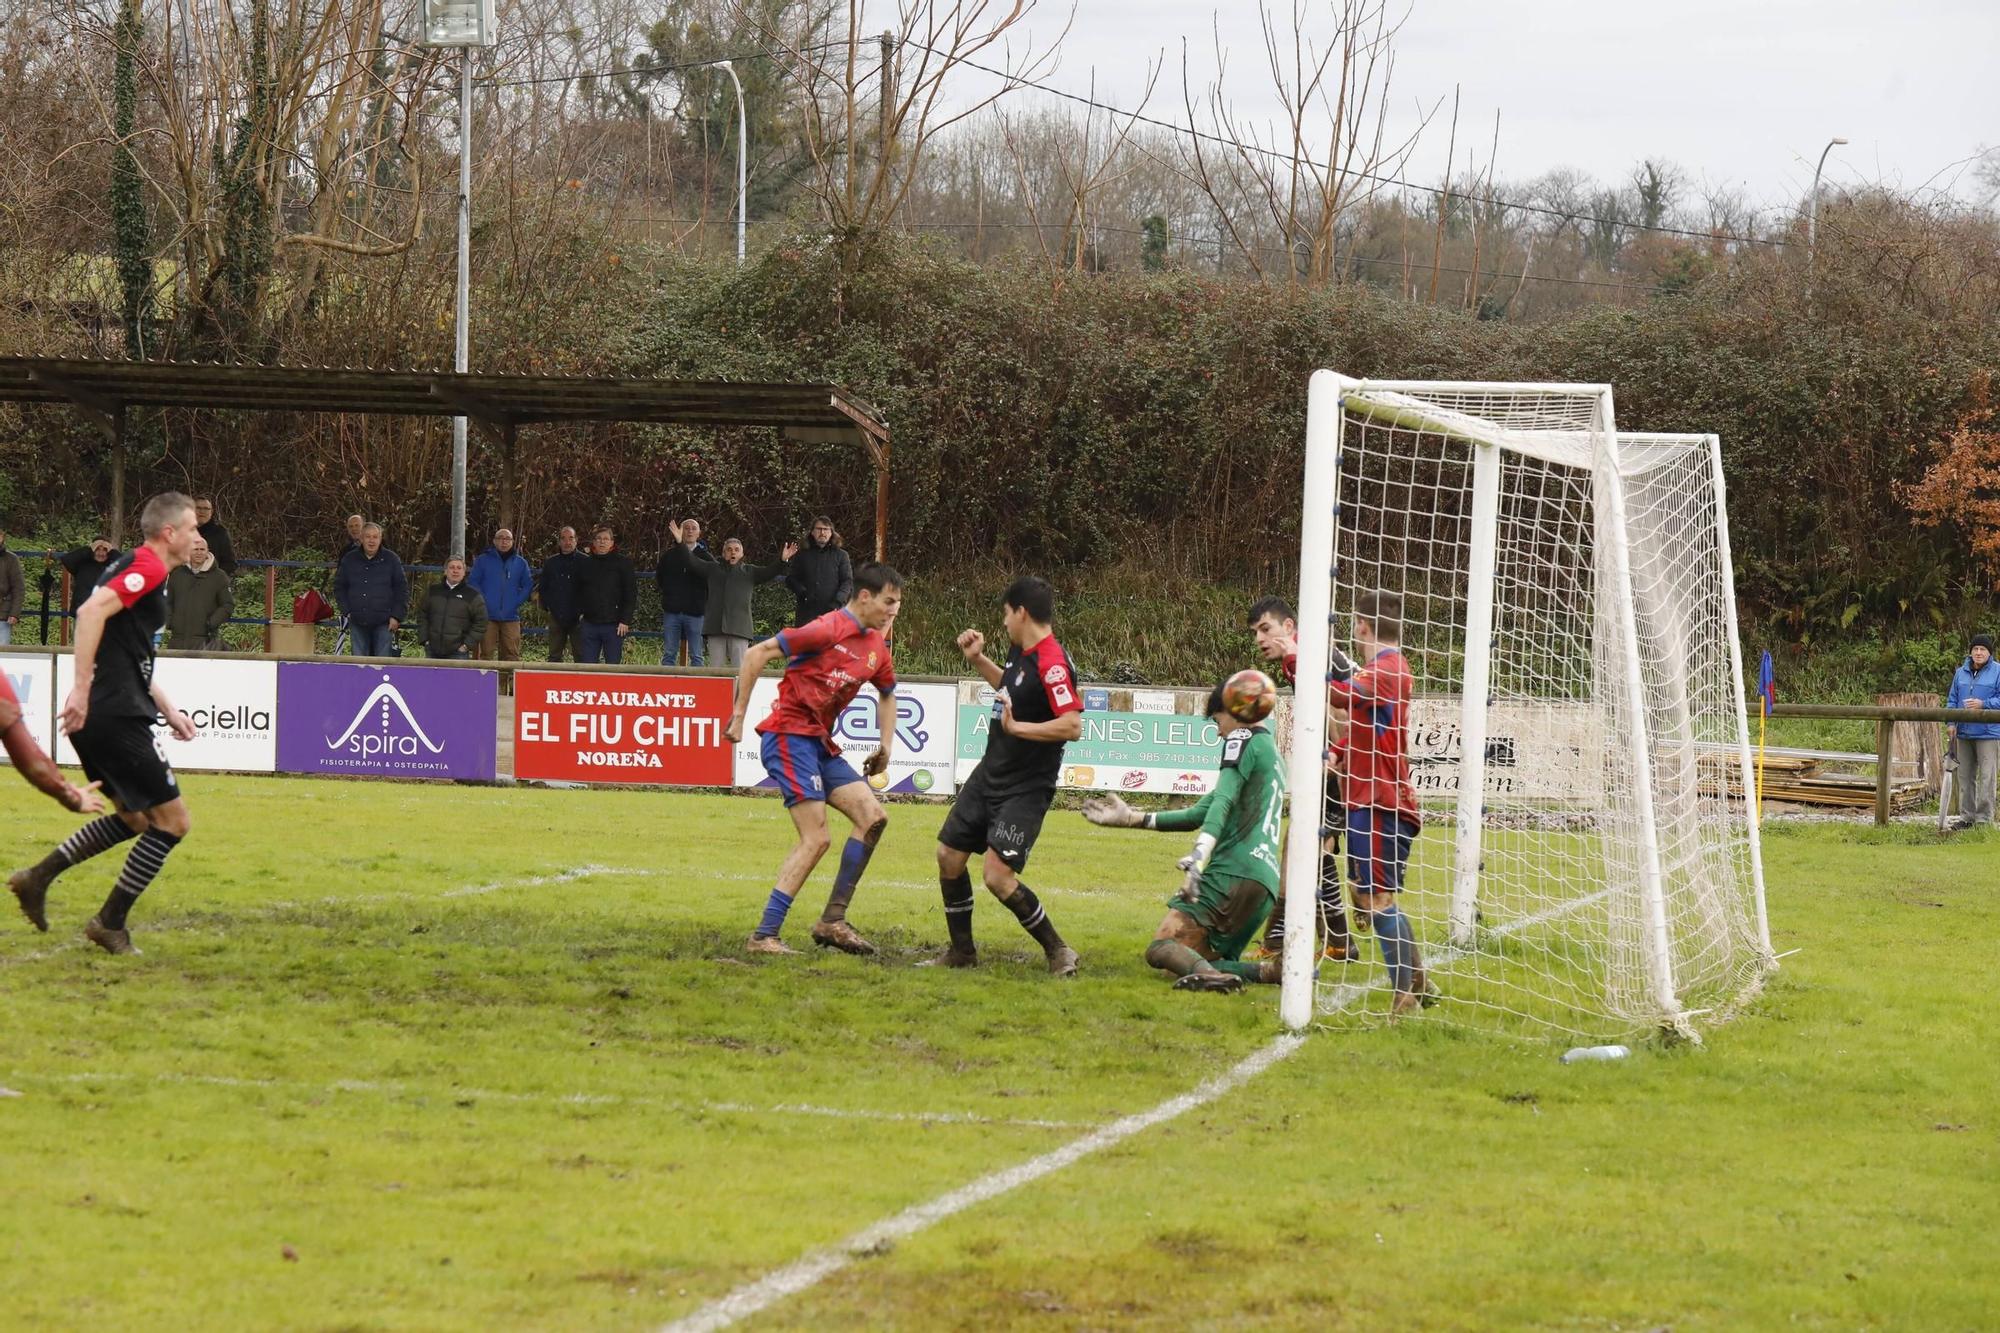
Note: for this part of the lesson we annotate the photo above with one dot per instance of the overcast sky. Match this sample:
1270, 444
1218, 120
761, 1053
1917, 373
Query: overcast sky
1737, 92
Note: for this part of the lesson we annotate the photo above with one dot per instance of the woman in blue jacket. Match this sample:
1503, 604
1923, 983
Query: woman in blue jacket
1976, 745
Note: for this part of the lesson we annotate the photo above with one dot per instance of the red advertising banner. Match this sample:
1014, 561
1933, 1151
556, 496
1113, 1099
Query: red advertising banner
585, 727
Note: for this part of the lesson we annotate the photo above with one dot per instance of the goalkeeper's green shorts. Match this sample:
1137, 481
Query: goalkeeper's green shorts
1230, 910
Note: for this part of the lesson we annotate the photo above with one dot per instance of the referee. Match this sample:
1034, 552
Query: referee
109, 718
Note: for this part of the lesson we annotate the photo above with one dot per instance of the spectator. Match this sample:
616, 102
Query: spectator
555, 590
355, 525
452, 620
607, 592
730, 586
504, 581
1976, 745
86, 565
215, 535
820, 577
683, 592
13, 589
199, 600
373, 593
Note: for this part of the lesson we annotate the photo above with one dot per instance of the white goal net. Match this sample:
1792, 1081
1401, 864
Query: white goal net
1587, 864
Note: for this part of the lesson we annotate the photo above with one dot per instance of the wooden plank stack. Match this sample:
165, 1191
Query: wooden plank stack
1806, 782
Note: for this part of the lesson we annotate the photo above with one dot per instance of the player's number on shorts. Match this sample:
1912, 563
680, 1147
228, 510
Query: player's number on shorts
160, 749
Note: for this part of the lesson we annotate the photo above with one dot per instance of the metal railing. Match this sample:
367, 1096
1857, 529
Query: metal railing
56, 598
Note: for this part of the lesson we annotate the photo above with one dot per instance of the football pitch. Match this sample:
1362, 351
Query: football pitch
412, 1057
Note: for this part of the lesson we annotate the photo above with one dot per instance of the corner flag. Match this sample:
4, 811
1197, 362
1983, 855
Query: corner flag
1767, 685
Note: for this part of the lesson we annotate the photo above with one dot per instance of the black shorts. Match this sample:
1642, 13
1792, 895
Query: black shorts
128, 757
1007, 824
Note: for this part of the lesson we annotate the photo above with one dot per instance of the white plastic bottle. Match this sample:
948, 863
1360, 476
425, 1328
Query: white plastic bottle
1577, 1054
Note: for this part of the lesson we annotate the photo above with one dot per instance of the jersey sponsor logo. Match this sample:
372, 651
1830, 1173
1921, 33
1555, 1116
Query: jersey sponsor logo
1232, 749
1061, 695
134, 581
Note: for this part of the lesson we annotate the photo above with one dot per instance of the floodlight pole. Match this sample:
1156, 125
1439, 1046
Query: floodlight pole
461, 356
1812, 204
742, 159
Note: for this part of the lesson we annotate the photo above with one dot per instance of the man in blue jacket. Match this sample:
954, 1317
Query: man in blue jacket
372, 592
1976, 745
501, 576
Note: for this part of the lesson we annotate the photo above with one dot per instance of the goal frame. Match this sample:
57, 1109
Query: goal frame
1612, 458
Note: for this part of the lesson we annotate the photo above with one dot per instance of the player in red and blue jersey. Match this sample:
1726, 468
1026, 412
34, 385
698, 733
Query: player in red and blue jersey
1382, 814
1277, 633
35, 767
827, 661
109, 717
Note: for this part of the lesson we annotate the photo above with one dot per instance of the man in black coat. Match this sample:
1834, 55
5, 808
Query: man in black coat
555, 593
211, 530
607, 593
86, 565
452, 620
683, 592
821, 577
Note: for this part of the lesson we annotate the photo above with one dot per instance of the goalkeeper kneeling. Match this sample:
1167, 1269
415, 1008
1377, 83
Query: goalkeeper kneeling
1231, 876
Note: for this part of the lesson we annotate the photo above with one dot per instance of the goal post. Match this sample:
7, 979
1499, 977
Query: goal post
1589, 863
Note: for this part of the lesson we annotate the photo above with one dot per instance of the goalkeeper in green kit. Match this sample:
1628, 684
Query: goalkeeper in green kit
1232, 873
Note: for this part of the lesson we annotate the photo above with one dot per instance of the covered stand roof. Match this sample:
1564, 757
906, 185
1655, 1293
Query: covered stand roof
107, 387
103, 390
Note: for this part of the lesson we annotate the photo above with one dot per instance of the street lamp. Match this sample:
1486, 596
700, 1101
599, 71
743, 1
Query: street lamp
1812, 207
742, 159
463, 24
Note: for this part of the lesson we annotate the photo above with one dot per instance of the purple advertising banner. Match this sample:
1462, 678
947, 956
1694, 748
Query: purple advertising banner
387, 722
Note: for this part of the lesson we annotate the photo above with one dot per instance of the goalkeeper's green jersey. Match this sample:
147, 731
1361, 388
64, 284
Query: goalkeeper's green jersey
1244, 814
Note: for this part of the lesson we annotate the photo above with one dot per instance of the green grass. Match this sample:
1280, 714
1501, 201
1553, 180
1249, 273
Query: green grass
562, 1104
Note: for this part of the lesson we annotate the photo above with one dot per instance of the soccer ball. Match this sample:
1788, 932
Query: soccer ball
1250, 695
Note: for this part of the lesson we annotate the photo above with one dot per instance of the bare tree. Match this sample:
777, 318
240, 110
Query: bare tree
1331, 152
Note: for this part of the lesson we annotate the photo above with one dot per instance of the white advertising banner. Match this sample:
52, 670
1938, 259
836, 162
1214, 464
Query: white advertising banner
926, 737
34, 682
233, 705
1133, 740
1553, 751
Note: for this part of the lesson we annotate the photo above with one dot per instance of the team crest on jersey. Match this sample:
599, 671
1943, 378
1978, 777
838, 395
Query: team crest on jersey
872, 659
134, 581
1232, 749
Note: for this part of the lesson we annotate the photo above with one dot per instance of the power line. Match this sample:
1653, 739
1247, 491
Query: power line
662, 68
1192, 132
1414, 266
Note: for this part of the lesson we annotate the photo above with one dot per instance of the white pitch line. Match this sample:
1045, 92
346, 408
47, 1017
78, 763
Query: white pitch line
531, 882
391, 1089
1445, 955
755, 1297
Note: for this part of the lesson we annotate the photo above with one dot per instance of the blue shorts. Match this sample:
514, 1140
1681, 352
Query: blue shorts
1378, 848
802, 768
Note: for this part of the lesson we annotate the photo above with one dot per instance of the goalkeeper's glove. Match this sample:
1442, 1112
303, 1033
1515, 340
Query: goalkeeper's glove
1112, 812
1339, 666
1195, 863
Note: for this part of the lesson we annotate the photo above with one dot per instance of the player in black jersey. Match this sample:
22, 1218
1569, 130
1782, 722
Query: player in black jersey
109, 718
999, 810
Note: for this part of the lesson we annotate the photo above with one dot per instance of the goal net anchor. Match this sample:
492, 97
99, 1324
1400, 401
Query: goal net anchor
1579, 723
